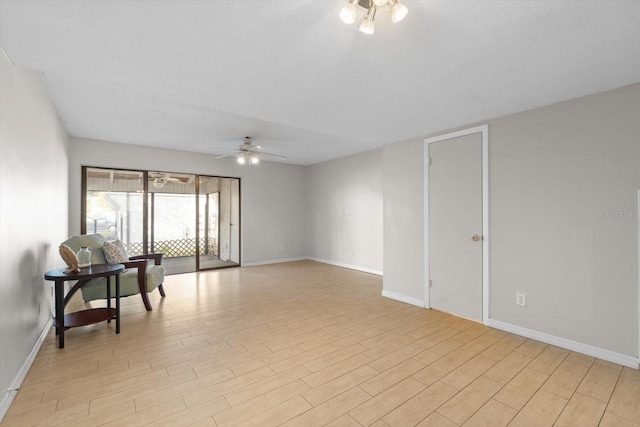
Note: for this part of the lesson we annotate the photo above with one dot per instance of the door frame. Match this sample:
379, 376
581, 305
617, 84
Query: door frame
239, 263
484, 132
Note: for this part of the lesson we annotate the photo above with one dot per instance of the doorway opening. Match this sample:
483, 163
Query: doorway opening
194, 220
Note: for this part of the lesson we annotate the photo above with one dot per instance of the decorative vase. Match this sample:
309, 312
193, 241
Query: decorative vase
84, 257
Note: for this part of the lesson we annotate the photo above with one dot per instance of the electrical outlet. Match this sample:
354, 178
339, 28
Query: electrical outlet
521, 299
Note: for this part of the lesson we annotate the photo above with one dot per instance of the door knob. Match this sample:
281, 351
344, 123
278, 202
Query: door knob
476, 238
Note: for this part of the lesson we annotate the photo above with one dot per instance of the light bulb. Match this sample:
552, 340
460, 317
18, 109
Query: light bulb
241, 160
398, 12
367, 26
348, 12
255, 160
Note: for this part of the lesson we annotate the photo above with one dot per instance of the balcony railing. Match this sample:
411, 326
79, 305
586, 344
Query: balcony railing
176, 248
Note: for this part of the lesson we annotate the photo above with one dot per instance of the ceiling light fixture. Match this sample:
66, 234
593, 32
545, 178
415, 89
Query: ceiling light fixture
248, 157
348, 13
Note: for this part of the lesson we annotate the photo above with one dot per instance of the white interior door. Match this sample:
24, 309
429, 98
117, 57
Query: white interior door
455, 226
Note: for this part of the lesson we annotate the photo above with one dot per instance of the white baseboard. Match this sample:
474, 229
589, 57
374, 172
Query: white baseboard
10, 394
600, 353
403, 298
272, 261
345, 265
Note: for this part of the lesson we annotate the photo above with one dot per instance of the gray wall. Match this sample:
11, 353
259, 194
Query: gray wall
345, 211
34, 209
555, 172
273, 195
404, 252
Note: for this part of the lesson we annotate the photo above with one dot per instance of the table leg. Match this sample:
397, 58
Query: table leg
118, 303
109, 295
60, 312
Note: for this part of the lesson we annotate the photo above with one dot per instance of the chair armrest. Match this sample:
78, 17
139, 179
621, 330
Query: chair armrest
141, 265
156, 257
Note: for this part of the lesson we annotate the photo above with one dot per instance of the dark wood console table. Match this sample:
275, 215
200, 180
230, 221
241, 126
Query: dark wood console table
63, 322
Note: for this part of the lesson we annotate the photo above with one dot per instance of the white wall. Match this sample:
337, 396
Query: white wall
554, 173
33, 217
273, 195
345, 211
404, 253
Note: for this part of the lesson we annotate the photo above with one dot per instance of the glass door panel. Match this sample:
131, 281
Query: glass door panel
114, 206
172, 225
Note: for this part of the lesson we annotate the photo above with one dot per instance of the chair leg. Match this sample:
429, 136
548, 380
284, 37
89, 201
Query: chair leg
145, 300
142, 285
161, 290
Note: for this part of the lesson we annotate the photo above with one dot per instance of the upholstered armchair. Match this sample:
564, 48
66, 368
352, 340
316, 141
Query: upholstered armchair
140, 277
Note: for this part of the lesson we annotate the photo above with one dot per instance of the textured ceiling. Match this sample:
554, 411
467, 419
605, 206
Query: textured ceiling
201, 75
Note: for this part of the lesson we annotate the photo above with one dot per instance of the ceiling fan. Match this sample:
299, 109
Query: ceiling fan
249, 153
160, 179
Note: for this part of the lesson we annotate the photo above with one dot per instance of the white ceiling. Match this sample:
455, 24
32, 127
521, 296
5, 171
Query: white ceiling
201, 75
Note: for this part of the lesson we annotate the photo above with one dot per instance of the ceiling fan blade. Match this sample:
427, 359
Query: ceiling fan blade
248, 149
271, 154
235, 153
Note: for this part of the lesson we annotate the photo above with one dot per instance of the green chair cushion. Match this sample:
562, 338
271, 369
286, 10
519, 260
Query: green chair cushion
97, 288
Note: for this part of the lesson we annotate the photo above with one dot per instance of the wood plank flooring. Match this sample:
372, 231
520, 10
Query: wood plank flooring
308, 344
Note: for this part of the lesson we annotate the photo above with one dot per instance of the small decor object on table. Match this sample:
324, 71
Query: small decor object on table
70, 258
84, 257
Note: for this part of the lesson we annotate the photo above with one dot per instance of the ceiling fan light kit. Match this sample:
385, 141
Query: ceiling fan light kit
249, 154
248, 158
349, 12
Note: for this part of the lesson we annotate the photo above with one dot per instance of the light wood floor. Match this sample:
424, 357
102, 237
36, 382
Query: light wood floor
187, 264
307, 344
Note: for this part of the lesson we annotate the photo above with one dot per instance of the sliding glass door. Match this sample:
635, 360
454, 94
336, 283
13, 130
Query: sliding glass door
194, 220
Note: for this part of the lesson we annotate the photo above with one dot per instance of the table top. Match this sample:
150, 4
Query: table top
98, 270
